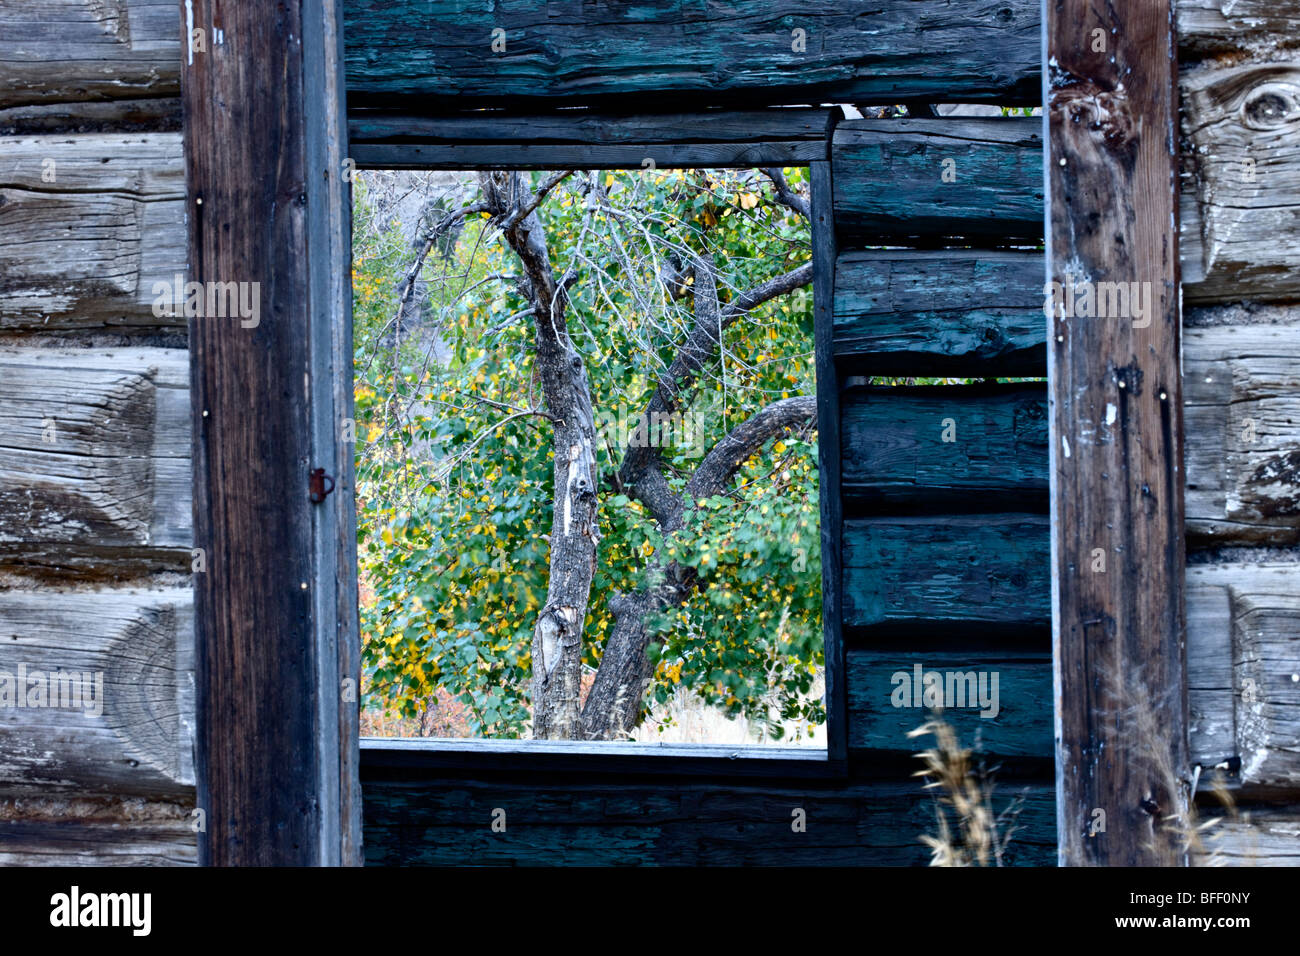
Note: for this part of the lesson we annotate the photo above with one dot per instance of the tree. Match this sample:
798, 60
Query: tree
652, 276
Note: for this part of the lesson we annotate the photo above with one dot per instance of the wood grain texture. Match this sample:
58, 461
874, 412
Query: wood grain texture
1260, 835
829, 451
85, 250
1242, 405
161, 114
1241, 198
950, 312
570, 51
141, 644
1241, 620
1265, 618
917, 181
64, 50
75, 842
1117, 458
1218, 26
620, 156
81, 830
96, 449
275, 633
963, 446
1021, 725
594, 818
971, 574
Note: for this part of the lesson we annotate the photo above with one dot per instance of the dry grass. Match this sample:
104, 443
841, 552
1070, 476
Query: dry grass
969, 832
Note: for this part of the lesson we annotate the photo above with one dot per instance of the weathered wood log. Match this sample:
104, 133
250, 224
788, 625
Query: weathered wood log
963, 573
1243, 418
595, 818
75, 830
951, 312
589, 127
112, 116
96, 452
1243, 196
619, 156
1224, 603
90, 224
108, 692
959, 446
75, 842
1265, 608
887, 700
567, 51
64, 50
1252, 836
919, 181
1219, 26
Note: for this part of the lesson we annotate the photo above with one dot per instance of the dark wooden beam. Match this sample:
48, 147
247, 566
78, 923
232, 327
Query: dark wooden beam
275, 611
828, 452
928, 181
978, 576
953, 446
1117, 448
945, 312
448, 55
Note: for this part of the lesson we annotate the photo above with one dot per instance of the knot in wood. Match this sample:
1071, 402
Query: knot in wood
1271, 106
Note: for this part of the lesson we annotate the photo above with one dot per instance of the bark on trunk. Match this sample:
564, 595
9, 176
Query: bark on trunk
557, 636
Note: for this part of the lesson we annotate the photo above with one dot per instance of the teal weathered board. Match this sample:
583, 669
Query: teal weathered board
454, 54
923, 181
945, 312
953, 443
939, 575
443, 818
885, 701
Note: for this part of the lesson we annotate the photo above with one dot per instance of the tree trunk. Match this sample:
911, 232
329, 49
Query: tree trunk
557, 636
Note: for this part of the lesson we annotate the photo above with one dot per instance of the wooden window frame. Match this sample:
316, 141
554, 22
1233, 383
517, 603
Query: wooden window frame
591, 139
277, 751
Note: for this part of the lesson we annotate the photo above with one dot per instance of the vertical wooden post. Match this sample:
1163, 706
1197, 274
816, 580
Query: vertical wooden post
275, 611
828, 449
1117, 433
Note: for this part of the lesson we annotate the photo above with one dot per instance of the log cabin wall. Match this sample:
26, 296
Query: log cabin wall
944, 543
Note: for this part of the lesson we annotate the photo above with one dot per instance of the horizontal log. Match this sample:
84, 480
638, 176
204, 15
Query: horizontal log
557, 819
74, 843
919, 181
1243, 192
135, 739
86, 831
1242, 411
955, 312
110, 116
63, 50
957, 446
879, 719
964, 572
619, 156
90, 223
886, 702
567, 51
1218, 26
590, 127
96, 449
1252, 836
